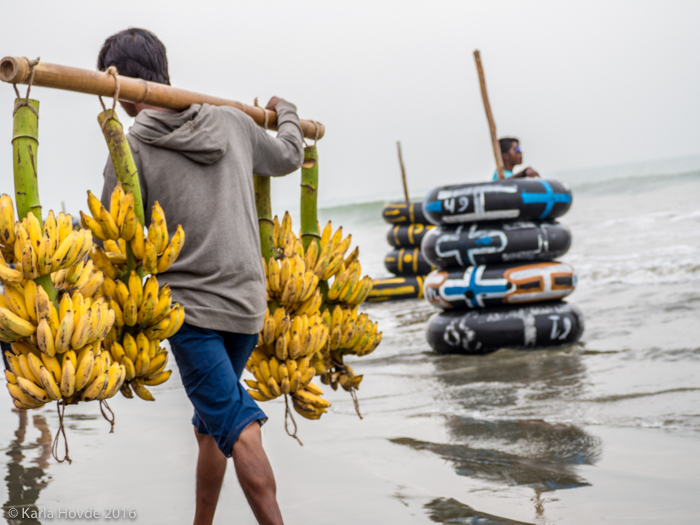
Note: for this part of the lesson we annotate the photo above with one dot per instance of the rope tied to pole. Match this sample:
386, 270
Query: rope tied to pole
19, 102
103, 406
287, 416
111, 70
61, 408
317, 126
266, 122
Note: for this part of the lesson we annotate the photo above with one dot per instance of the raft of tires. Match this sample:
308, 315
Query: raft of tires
496, 280
408, 228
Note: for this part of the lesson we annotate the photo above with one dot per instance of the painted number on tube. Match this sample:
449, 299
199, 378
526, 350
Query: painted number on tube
555, 328
462, 203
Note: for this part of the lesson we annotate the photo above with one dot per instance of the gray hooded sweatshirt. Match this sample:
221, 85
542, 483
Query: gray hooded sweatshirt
199, 164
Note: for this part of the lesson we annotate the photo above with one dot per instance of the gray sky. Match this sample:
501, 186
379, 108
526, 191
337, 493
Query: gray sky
582, 84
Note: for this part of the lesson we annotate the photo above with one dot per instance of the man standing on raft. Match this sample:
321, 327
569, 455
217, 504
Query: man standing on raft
199, 164
513, 156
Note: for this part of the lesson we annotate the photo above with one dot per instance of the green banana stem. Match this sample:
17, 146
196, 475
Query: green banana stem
25, 146
263, 203
309, 198
122, 159
127, 174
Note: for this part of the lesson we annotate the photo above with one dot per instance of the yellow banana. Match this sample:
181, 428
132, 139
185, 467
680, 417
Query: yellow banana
127, 229
109, 227
86, 363
52, 365
98, 386
141, 391
115, 201
138, 243
150, 258
93, 225
311, 399
116, 376
7, 220
157, 379
15, 324
130, 311
274, 387
19, 396
49, 383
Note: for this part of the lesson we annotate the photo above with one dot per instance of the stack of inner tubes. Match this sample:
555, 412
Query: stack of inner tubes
408, 227
496, 281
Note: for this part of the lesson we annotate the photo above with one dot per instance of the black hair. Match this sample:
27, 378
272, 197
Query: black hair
136, 53
506, 143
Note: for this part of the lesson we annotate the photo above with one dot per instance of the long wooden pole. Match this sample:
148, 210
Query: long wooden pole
15, 70
403, 171
489, 116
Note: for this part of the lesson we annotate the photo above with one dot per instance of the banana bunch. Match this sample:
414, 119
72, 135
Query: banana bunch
351, 333
81, 277
145, 315
154, 250
35, 250
35, 378
144, 361
143, 307
282, 363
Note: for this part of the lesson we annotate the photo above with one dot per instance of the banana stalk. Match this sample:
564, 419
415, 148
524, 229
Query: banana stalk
25, 145
309, 206
309, 198
125, 169
263, 203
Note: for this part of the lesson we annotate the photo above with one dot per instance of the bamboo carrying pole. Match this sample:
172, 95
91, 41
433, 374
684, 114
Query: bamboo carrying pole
16, 70
403, 172
309, 198
25, 147
489, 116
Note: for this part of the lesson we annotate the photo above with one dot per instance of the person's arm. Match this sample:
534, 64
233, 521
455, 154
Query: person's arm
527, 172
283, 154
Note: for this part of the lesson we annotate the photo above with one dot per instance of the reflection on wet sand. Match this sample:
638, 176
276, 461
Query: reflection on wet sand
503, 449
25, 481
443, 510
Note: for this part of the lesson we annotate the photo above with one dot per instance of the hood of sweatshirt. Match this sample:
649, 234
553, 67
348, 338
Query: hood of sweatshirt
196, 132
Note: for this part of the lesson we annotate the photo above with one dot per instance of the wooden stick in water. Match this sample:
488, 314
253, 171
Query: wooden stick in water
15, 70
403, 171
489, 116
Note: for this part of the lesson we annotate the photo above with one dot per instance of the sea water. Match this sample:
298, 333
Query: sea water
605, 431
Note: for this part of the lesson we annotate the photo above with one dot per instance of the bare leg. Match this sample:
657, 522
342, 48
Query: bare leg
255, 476
211, 467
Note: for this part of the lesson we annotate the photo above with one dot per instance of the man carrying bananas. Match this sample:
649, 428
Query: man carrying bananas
199, 164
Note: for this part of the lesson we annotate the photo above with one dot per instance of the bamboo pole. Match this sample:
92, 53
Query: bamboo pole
309, 197
15, 70
489, 116
263, 204
403, 172
25, 147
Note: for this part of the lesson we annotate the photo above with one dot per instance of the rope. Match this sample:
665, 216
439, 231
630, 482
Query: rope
20, 103
288, 414
353, 394
61, 431
255, 103
111, 70
103, 406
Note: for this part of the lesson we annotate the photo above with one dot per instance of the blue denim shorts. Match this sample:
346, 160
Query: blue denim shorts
211, 363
